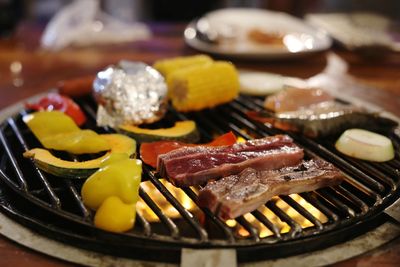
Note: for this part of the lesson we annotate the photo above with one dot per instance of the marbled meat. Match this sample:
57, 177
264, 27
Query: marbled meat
238, 194
196, 165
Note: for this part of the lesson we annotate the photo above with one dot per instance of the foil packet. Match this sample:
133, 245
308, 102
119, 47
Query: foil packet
129, 93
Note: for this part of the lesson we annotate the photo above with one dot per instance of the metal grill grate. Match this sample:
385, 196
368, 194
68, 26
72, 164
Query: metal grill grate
274, 230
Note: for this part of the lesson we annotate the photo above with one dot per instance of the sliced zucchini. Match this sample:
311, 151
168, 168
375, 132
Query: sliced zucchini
184, 131
47, 162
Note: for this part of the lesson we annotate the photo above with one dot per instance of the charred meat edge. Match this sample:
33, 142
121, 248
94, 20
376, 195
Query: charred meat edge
271, 158
236, 195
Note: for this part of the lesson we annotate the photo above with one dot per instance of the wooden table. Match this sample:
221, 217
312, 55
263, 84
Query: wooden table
26, 70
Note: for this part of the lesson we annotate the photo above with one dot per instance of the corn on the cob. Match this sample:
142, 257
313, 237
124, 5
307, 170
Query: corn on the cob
205, 86
167, 66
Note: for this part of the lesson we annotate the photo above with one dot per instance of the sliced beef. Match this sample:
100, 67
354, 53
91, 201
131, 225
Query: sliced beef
238, 194
196, 165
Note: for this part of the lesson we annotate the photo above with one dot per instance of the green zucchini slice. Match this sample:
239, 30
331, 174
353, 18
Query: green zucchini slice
47, 162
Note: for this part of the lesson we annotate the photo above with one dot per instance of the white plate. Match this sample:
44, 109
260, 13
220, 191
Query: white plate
357, 30
299, 38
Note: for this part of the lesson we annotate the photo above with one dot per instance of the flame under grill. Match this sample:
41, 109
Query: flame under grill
169, 219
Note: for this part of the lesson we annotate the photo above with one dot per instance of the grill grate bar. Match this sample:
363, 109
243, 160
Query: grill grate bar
372, 170
204, 123
312, 198
395, 165
291, 202
203, 235
8, 179
21, 181
267, 223
87, 109
202, 130
354, 199
145, 224
228, 125
254, 234
361, 187
227, 231
85, 212
71, 187
237, 114
3, 161
390, 171
330, 197
55, 201
172, 228
348, 168
295, 228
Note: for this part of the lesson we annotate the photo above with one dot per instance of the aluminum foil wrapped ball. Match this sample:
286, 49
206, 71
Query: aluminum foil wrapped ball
129, 93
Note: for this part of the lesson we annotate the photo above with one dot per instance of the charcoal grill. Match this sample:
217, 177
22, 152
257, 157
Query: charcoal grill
52, 206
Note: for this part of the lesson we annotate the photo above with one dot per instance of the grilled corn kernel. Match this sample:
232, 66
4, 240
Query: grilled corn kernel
198, 87
167, 66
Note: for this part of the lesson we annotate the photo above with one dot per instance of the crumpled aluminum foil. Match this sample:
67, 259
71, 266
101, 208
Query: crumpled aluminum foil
129, 92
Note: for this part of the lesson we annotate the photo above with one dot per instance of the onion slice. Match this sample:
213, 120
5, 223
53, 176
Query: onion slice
260, 83
366, 145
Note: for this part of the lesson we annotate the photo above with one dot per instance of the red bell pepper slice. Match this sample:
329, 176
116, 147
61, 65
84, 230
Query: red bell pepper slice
149, 152
54, 101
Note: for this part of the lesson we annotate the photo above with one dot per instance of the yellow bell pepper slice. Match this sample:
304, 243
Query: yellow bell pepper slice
48, 123
77, 142
120, 178
58, 131
115, 216
114, 157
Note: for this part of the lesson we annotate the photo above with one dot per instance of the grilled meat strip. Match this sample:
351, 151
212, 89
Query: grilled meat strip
196, 165
238, 194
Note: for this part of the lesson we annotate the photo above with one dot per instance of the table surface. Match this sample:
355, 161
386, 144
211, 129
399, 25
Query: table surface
26, 70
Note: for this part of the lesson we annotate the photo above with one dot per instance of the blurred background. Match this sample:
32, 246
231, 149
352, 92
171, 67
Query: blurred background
14, 11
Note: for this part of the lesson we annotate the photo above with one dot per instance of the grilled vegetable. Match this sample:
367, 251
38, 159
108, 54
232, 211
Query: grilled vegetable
167, 66
149, 152
120, 179
47, 162
54, 101
205, 86
260, 83
48, 123
365, 145
115, 215
77, 142
57, 131
184, 131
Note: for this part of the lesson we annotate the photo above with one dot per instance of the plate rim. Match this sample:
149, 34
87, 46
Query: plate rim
212, 49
